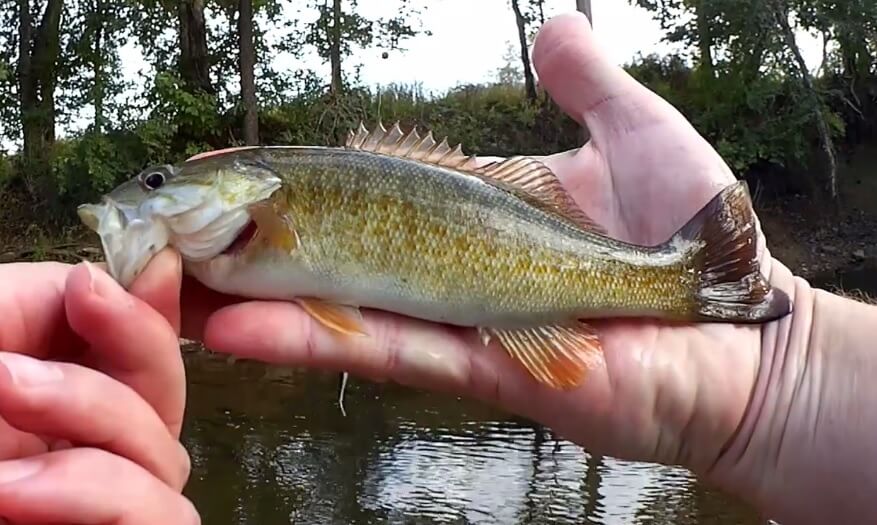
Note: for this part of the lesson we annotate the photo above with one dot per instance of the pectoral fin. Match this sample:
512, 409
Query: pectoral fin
340, 318
275, 227
558, 355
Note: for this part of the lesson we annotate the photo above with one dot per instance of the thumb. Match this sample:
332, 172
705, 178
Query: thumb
579, 76
159, 286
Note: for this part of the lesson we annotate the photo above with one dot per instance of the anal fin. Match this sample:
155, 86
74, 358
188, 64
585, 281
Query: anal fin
559, 356
340, 318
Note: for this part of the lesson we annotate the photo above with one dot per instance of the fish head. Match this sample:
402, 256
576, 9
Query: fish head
199, 207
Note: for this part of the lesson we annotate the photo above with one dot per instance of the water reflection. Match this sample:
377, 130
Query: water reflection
269, 446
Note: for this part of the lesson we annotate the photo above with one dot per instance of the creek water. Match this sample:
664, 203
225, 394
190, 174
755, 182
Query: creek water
269, 446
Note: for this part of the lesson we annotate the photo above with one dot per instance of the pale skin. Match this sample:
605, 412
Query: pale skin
92, 394
777, 414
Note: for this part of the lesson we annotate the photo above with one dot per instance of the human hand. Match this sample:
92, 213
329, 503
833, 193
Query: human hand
706, 396
88, 448
92, 394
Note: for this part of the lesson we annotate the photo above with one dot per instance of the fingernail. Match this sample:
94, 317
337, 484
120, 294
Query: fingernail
89, 269
104, 286
19, 469
27, 371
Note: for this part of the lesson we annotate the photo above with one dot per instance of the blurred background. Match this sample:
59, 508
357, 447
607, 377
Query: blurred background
91, 91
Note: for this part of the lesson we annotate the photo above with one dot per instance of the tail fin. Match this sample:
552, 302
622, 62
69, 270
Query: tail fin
730, 286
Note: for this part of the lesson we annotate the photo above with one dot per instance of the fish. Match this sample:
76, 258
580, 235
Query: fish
400, 222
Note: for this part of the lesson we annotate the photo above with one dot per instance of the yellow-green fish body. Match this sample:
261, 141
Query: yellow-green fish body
396, 222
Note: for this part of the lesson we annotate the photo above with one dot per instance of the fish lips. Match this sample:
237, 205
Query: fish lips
128, 243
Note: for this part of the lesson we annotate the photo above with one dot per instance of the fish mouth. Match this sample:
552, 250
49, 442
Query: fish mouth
128, 243
243, 238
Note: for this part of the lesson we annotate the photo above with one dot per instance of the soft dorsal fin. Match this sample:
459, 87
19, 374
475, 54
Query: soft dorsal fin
537, 179
409, 145
529, 177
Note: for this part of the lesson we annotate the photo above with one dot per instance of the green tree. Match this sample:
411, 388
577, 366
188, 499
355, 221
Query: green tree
522, 22
247, 60
39, 48
337, 31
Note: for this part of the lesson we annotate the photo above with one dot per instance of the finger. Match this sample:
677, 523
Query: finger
197, 304
404, 350
17, 444
85, 407
159, 286
82, 486
579, 76
128, 340
35, 322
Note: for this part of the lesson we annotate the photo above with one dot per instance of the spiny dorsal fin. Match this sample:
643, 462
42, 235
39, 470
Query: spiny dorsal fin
538, 180
530, 177
411, 145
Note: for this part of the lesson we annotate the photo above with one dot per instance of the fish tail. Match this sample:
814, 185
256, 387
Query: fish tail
730, 286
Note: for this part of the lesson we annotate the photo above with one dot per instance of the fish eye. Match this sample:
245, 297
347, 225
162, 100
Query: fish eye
154, 180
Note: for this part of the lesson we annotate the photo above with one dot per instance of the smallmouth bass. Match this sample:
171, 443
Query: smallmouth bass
398, 222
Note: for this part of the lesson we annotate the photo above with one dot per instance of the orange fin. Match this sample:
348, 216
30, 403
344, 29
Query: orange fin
537, 179
556, 355
275, 227
526, 177
345, 319
409, 145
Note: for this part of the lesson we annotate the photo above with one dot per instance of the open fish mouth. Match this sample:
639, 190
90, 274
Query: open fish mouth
128, 243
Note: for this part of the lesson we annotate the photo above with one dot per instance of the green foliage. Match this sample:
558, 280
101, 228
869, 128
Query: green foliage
749, 121
734, 79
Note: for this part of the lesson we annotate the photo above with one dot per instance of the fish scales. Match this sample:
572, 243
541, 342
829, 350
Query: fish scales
403, 223
459, 246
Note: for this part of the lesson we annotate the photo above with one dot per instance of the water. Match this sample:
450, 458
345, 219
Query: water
269, 446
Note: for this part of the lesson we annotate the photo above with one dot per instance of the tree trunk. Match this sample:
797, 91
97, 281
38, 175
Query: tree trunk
529, 81
37, 67
26, 92
585, 7
335, 50
97, 68
705, 40
247, 65
194, 55
782, 18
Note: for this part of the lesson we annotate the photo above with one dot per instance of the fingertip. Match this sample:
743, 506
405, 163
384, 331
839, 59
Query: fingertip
88, 292
574, 68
